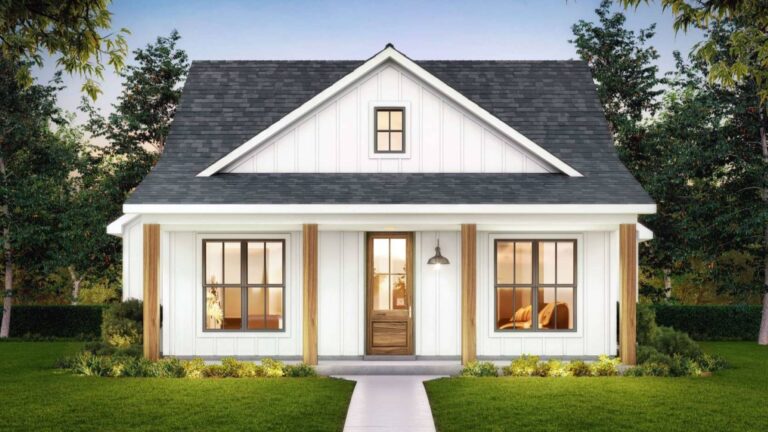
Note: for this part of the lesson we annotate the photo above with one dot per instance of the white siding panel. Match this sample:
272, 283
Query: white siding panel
337, 136
133, 261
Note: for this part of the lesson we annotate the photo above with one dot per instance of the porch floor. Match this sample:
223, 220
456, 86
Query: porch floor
388, 367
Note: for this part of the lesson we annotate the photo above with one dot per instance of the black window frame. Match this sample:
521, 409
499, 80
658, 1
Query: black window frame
389, 131
244, 285
535, 285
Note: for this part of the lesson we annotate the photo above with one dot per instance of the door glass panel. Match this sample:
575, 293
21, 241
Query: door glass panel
213, 260
232, 263
256, 263
380, 255
381, 292
399, 292
397, 254
274, 263
505, 256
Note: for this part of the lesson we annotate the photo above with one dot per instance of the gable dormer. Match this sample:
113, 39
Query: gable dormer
390, 115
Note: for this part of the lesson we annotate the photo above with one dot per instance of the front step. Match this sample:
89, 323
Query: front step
387, 367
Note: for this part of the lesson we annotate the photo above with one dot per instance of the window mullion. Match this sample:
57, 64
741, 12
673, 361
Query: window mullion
535, 288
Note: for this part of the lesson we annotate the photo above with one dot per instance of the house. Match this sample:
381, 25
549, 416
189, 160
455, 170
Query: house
326, 210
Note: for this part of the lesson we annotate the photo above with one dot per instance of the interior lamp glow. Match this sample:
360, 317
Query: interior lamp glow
438, 259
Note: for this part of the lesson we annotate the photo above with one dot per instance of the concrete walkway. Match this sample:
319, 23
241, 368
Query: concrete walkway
383, 403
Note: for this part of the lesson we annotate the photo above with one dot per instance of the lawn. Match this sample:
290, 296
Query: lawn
733, 400
33, 396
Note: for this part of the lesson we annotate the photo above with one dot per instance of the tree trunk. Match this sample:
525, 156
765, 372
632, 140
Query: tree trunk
667, 283
762, 337
5, 327
76, 281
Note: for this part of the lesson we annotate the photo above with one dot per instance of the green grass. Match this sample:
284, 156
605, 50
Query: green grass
732, 400
34, 396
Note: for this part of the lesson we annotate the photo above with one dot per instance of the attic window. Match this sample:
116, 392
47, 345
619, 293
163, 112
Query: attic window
389, 135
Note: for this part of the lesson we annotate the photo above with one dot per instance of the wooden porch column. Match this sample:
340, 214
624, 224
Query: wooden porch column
468, 293
628, 281
151, 299
309, 258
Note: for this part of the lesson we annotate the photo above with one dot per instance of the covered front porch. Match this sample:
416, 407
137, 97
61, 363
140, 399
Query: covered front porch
328, 298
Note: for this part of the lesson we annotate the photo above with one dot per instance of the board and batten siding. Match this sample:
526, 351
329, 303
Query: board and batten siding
133, 260
440, 136
341, 295
595, 303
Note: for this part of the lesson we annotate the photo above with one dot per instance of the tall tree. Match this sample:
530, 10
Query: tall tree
744, 63
622, 64
35, 166
74, 30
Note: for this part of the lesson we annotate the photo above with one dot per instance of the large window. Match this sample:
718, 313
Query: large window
244, 285
389, 136
535, 284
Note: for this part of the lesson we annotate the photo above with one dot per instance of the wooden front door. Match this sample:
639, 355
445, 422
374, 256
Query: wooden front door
389, 293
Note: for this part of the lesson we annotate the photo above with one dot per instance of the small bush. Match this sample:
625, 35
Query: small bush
605, 366
523, 366
194, 368
214, 371
238, 369
122, 324
649, 369
670, 342
558, 368
712, 363
300, 370
479, 369
272, 368
646, 324
579, 368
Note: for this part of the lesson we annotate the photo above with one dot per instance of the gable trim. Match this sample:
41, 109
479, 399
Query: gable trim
387, 54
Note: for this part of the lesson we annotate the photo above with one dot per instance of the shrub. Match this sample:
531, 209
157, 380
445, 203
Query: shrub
479, 369
646, 324
272, 368
649, 354
214, 371
670, 341
193, 368
649, 369
558, 368
711, 322
523, 366
122, 324
238, 369
56, 321
579, 368
712, 363
605, 366
299, 370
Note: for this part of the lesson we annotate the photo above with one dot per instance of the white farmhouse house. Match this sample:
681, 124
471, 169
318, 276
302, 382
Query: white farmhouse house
297, 211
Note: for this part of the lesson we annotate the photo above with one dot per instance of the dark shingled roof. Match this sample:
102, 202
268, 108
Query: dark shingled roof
226, 103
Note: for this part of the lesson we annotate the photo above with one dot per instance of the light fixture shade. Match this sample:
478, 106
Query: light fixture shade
438, 258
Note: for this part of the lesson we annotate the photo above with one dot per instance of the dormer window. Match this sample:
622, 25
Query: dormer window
389, 135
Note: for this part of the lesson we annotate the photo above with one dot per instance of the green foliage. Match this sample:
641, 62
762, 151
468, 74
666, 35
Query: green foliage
605, 366
122, 326
479, 369
300, 370
671, 342
525, 365
61, 321
77, 32
711, 322
119, 364
646, 324
579, 368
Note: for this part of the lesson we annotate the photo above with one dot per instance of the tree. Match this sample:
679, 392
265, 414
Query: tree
622, 64
35, 166
743, 62
151, 91
72, 29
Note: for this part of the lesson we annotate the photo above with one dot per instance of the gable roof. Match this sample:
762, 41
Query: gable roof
388, 54
226, 103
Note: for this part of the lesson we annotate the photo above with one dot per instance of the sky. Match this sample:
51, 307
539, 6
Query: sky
333, 29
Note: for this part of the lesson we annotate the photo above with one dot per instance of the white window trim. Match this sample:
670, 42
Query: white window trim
407, 128
288, 321
490, 287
